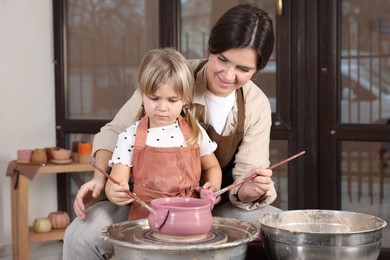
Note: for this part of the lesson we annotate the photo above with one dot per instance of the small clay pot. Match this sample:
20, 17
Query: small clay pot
186, 216
61, 154
85, 148
39, 156
48, 152
59, 219
24, 156
42, 225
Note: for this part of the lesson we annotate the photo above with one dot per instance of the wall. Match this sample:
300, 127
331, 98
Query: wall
27, 112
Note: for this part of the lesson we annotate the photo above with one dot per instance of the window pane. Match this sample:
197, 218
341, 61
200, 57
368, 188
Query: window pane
197, 19
106, 41
365, 62
365, 186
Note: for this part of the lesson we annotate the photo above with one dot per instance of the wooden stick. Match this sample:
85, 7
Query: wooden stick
250, 177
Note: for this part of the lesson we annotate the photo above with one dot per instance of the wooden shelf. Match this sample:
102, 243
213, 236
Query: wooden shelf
71, 167
54, 234
22, 234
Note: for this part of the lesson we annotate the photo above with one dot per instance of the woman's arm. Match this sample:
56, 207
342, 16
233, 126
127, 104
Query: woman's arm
253, 153
103, 146
93, 188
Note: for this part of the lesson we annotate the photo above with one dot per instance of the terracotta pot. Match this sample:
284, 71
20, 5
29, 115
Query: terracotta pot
186, 216
59, 219
39, 156
42, 225
48, 152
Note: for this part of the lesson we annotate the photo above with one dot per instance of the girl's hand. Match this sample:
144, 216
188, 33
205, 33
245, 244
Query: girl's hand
207, 192
208, 186
117, 194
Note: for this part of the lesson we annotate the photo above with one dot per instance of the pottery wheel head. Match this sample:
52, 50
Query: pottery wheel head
149, 237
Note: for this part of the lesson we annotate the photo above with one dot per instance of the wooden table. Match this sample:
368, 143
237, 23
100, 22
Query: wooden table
22, 234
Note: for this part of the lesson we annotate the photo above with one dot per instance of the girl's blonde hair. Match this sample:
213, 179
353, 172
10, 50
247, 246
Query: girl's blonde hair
169, 66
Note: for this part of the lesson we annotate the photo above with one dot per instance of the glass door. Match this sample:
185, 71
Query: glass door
364, 99
355, 98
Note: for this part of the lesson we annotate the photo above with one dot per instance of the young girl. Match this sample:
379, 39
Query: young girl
166, 150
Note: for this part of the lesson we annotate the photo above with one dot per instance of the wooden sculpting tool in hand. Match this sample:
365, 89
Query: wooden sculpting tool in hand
250, 177
159, 215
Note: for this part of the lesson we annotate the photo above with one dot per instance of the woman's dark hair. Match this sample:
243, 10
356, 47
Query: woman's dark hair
244, 26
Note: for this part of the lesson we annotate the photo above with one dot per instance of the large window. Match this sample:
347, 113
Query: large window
364, 100
365, 62
98, 47
105, 42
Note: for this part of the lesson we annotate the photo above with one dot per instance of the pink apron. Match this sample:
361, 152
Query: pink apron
163, 171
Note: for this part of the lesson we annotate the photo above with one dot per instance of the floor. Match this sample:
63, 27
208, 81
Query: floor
50, 250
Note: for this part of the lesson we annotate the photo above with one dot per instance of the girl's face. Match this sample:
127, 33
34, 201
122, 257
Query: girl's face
162, 107
230, 70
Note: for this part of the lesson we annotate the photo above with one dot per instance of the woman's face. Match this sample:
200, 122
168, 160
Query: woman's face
163, 107
230, 70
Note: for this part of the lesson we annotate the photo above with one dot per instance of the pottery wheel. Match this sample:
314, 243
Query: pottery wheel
147, 236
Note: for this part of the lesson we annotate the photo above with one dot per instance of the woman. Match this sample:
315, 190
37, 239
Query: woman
233, 110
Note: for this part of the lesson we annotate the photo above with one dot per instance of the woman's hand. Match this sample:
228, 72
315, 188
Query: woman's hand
252, 190
87, 192
93, 188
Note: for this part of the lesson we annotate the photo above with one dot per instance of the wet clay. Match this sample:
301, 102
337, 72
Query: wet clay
186, 217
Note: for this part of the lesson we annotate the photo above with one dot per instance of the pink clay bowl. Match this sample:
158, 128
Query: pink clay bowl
60, 154
186, 216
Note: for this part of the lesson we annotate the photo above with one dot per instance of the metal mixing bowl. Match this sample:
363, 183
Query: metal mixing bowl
321, 234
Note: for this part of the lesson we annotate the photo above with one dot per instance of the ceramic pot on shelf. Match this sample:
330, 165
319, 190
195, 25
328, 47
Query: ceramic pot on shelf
24, 156
59, 219
39, 156
85, 150
42, 225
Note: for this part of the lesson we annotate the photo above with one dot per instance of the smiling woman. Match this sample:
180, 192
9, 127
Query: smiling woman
230, 70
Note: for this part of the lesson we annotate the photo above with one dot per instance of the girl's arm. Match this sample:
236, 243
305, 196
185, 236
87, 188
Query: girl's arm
116, 193
211, 172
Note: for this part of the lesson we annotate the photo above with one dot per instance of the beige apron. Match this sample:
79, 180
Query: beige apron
163, 171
